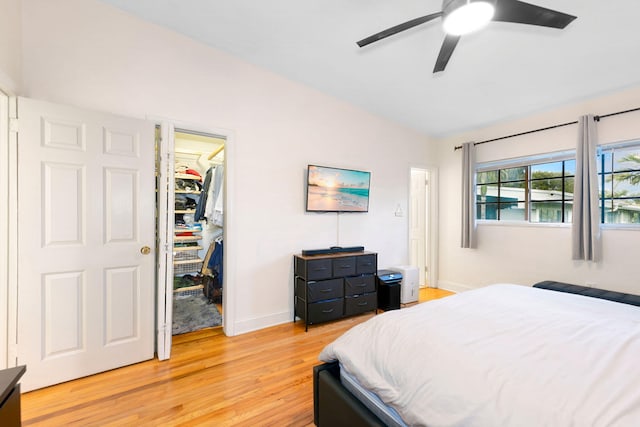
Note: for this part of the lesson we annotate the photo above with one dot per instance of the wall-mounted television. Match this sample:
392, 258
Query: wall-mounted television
337, 190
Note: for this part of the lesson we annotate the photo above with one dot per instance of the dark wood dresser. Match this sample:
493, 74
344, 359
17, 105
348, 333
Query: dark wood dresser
332, 286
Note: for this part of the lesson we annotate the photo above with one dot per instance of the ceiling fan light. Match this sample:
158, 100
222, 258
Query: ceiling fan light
469, 17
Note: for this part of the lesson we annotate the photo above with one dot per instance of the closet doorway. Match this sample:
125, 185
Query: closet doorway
191, 167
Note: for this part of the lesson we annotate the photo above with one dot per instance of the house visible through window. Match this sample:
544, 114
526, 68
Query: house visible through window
539, 189
529, 189
619, 182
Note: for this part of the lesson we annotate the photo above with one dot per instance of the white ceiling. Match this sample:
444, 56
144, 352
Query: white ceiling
503, 72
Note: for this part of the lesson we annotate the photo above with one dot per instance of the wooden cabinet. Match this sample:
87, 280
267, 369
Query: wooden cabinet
332, 286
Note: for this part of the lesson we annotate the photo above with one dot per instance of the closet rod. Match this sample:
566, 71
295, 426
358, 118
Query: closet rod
596, 118
215, 152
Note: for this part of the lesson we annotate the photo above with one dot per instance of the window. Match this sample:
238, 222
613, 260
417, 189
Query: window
535, 189
619, 183
552, 191
539, 189
501, 194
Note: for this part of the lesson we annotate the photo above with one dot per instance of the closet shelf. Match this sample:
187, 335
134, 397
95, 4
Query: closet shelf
187, 176
186, 248
183, 239
188, 229
187, 261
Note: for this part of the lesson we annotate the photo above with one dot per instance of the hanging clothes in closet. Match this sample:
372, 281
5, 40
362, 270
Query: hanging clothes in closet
215, 206
211, 203
210, 208
204, 194
215, 262
213, 270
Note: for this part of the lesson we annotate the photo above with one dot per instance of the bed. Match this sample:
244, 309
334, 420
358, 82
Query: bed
504, 355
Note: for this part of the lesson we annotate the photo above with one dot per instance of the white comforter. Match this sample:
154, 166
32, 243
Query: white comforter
504, 355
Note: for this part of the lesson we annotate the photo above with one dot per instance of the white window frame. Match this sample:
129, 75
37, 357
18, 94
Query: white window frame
521, 162
612, 147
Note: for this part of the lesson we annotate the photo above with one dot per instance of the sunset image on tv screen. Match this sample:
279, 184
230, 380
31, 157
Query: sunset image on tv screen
337, 190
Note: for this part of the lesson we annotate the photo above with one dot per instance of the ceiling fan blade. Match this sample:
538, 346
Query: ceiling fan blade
398, 28
446, 50
526, 13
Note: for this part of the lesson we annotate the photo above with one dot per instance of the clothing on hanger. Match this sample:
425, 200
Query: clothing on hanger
213, 260
204, 194
215, 203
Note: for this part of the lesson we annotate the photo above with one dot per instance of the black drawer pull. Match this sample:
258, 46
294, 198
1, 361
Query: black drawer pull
362, 285
345, 266
362, 303
319, 268
367, 264
326, 290
328, 311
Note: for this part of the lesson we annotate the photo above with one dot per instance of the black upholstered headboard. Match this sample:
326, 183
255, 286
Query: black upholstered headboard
590, 292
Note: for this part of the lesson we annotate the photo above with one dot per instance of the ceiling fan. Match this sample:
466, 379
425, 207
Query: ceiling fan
464, 16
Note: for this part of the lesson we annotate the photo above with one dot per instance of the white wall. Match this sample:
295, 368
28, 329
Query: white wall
85, 53
530, 253
10, 45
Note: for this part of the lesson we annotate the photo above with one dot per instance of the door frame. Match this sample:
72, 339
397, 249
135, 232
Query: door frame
431, 227
9, 283
4, 227
418, 221
165, 218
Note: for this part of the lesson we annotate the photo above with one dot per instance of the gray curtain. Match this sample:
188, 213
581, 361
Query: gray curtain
586, 213
468, 239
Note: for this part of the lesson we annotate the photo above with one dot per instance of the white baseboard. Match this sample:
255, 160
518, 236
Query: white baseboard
454, 287
257, 323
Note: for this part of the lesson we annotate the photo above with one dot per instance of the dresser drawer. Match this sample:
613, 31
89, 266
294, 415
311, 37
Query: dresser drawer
359, 284
360, 303
366, 264
325, 310
314, 269
324, 289
345, 266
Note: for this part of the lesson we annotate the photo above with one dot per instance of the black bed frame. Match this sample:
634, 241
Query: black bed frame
335, 406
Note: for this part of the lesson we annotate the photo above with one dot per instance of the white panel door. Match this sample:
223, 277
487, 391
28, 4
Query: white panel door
417, 223
85, 220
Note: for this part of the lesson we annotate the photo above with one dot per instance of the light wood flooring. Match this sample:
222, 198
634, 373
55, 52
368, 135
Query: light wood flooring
262, 378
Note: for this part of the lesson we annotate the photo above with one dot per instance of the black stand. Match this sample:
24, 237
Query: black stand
388, 296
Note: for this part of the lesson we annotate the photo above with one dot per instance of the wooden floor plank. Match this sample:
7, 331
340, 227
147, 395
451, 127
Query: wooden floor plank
262, 378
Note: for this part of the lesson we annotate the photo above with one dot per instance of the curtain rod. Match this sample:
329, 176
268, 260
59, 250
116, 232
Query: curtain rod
596, 118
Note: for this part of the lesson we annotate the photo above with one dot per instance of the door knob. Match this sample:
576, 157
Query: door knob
145, 250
